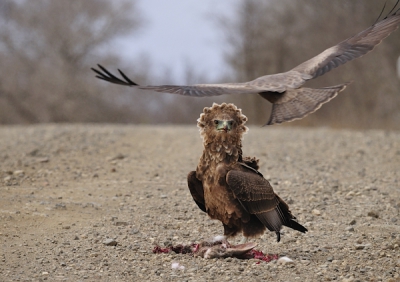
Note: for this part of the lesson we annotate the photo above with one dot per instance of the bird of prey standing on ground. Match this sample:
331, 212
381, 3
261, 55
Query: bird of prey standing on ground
228, 186
285, 91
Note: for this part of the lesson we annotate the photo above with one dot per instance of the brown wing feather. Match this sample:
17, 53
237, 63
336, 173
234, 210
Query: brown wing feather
253, 190
196, 189
258, 198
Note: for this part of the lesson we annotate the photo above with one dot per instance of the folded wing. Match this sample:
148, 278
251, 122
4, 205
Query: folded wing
257, 196
196, 190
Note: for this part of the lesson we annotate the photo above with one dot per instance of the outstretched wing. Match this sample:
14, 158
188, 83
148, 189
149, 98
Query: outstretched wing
347, 50
351, 48
197, 90
196, 189
257, 196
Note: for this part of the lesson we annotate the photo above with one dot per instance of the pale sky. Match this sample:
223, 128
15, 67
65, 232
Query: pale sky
180, 31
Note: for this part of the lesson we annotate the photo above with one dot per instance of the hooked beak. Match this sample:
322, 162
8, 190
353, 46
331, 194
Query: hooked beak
224, 125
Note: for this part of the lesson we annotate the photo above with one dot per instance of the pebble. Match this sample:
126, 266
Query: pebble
350, 229
178, 266
353, 222
312, 199
43, 160
121, 223
61, 206
110, 242
134, 231
316, 212
19, 173
373, 214
361, 246
285, 260
119, 156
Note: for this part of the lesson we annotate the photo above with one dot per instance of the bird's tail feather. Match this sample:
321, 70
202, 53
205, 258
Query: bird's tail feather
298, 103
281, 215
296, 226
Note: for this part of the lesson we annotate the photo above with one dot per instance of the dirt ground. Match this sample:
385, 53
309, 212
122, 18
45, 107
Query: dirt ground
66, 189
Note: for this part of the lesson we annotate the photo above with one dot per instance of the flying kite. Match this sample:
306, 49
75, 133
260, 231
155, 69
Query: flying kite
229, 187
290, 100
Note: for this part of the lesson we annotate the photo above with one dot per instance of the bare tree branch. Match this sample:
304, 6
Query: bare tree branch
47, 48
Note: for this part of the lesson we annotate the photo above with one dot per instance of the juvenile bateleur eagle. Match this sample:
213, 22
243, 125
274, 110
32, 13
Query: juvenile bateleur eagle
229, 187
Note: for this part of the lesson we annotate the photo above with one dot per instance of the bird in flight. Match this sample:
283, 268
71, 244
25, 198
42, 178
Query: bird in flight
290, 100
229, 187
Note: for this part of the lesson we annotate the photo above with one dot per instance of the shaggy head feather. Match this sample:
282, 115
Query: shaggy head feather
224, 111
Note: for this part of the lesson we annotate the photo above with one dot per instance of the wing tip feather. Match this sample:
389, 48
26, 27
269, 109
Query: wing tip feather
104, 74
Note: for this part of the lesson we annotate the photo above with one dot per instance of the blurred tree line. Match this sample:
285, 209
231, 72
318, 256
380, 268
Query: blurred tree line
47, 48
46, 51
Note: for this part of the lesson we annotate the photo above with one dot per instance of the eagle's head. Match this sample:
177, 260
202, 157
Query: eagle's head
223, 123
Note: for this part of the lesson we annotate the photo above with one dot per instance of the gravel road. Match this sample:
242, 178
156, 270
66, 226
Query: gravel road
90, 202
